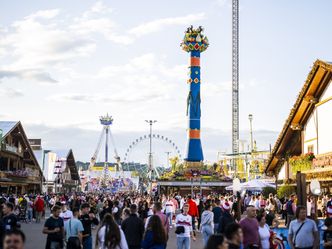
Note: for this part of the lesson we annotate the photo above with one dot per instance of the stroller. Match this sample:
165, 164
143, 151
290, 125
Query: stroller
22, 213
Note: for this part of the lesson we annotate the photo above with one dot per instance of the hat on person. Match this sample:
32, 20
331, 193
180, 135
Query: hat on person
226, 206
329, 210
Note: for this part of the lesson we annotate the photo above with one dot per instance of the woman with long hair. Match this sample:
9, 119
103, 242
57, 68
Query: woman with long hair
155, 235
110, 235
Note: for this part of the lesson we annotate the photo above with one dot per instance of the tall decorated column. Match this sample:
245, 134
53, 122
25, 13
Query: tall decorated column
194, 42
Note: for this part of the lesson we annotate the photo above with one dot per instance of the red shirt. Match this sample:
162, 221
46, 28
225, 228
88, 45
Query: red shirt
193, 210
39, 205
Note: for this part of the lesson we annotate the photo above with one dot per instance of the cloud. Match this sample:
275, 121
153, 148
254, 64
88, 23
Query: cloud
38, 43
121, 98
28, 74
10, 93
45, 14
159, 24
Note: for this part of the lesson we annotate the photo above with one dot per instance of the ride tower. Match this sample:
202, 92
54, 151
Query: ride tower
194, 42
106, 122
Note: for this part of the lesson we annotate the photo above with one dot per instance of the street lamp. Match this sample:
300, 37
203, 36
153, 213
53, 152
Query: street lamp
167, 153
251, 136
44, 153
150, 122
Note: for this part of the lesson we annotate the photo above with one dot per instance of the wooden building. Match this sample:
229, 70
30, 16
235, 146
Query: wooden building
308, 128
19, 168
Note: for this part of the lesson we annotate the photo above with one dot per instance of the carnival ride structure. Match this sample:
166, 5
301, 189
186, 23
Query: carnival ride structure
106, 122
145, 172
194, 42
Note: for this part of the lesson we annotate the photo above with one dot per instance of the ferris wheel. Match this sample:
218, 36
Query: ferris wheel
136, 143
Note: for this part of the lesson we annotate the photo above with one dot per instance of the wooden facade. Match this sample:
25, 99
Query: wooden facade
19, 168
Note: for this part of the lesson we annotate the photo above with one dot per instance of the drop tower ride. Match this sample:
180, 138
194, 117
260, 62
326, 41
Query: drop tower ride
194, 42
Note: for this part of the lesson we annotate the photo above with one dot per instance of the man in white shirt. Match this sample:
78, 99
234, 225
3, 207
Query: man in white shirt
184, 220
65, 214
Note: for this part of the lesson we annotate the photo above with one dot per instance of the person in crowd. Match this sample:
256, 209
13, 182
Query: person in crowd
225, 218
116, 211
303, 232
234, 235
207, 225
262, 201
108, 208
157, 207
133, 228
216, 241
39, 208
169, 210
110, 235
54, 228
125, 213
88, 219
329, 211
271, 219
154, 236
9, 221
14, 239
327, 235
65, 214
216, 214
29, 210
74, 202
193, 212
247, 200
249, 226
264, 232
74, 229
290, 209
200, 208
183, 235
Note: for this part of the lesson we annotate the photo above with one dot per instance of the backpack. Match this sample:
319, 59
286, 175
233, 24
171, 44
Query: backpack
289, 207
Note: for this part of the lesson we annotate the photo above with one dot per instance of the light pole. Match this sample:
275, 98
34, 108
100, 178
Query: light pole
44, 153
251, 136
150, 122
167, 153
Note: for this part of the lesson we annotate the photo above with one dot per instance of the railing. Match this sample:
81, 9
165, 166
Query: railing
69, 182
11, 148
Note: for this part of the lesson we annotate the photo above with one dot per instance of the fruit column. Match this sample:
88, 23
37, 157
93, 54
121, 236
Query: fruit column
194, 42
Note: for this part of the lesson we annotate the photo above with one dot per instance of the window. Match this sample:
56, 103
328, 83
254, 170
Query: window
311, 148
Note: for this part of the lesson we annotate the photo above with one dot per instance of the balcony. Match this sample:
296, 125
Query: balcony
69, 182
11, 148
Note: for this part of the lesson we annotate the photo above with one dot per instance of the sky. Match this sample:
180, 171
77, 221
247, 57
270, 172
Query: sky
65, 63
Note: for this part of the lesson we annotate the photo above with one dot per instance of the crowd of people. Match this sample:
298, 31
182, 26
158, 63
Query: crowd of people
133, 221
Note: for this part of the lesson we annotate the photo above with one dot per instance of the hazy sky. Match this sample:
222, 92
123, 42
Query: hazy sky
65, 63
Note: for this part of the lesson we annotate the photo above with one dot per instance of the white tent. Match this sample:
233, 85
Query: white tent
255, 184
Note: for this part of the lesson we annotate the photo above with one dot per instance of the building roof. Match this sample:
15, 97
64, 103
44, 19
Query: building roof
289, 139
67, 155
7, 127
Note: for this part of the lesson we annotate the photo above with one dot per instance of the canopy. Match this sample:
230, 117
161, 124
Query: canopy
253, 185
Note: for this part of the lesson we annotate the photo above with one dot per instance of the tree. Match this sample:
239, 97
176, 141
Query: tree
286, 191
268, 190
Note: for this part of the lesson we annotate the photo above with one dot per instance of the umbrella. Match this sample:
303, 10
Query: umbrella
254, 184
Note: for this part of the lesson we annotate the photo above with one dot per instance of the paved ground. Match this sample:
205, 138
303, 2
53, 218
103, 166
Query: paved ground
37, 240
